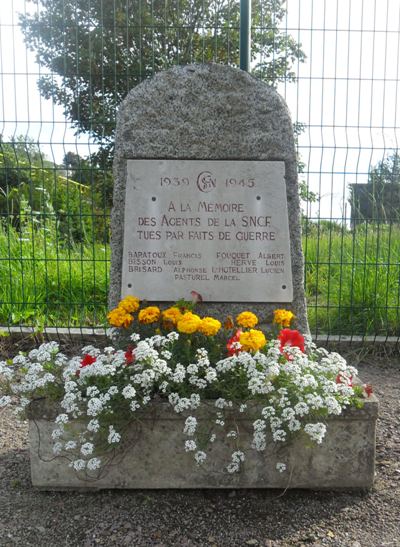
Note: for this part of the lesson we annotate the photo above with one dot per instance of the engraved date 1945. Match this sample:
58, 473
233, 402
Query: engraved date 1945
228, 182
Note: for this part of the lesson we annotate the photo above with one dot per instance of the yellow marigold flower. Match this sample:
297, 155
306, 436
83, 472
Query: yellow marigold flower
247, 319
148, 315
209, 326
283, 317
172, 315
130, 304
252, 340
189, 323
118, 317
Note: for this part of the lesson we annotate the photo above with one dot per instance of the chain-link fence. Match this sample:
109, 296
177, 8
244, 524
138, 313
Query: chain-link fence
67, 64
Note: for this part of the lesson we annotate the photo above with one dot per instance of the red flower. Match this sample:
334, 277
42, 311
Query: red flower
129, 355
368, 389
87, 360
231, 344
291, 338
343, 379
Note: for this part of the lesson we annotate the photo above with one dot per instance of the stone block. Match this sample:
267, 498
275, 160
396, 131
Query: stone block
207, 113
155, 458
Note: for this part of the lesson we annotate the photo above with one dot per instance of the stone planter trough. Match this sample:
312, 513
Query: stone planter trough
155, 458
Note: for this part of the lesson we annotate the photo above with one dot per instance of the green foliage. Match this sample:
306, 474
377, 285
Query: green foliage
386, 171
43, 282
352, 281
34, 193
379, 199
101, 51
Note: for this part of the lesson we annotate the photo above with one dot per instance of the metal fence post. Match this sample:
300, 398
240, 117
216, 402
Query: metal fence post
245, 34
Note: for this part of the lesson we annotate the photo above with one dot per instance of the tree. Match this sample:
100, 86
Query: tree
379, 199
90, 172
34, 192
386, 171
100, 49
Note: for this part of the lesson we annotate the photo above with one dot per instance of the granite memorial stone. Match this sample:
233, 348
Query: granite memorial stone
206, 195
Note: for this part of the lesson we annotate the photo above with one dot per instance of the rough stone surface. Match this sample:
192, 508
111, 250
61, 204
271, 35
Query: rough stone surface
154, 456
207, 112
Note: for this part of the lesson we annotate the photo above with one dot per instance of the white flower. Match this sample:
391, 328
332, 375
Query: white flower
279, 435
232, 434
233, 467
94, 407
195, 400
190, 426
259, 441
87, 449
134, 406
259, 425
332, 405
301, 409
19, 360
90, 350
288, 414
211, 375
78, 465
192, 369
316, 431
5, 400
294, 425
92, 391
71, 386
109, 350
70, 445
129, 392
238, 456
213, 437
57, 447
113, 436
93, 425
190, 446
268, 411
62, 419
179, 375
93, 463
57, 433
200, 457
281, 467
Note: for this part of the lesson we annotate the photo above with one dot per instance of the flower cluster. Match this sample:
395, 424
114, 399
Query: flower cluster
187, 362
283, 318
122, 316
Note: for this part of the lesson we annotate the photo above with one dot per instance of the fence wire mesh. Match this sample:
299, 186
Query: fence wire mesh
65, 66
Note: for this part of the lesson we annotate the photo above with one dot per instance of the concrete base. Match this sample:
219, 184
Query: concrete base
154, 456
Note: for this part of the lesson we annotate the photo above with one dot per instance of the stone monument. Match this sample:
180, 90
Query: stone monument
206, 196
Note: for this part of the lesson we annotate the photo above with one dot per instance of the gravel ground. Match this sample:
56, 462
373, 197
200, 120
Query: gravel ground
214, 518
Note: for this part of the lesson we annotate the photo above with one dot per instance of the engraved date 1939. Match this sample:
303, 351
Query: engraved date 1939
228, 182
174, 181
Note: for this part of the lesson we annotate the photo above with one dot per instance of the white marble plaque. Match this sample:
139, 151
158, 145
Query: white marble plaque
219, 228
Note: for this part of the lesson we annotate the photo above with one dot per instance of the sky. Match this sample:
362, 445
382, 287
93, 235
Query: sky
346, 93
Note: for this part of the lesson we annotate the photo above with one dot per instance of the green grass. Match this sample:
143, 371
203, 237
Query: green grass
45, 283
352, 280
